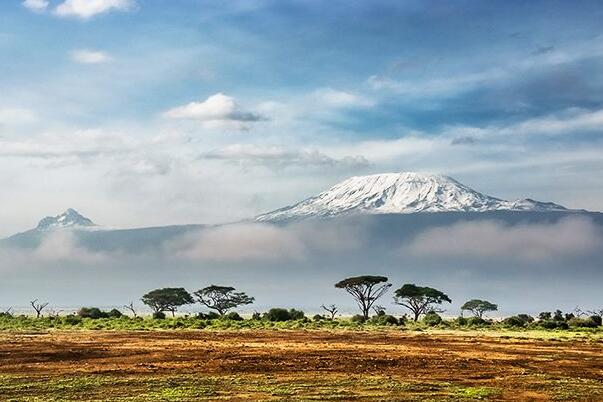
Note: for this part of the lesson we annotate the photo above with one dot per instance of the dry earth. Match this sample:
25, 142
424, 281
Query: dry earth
295, 365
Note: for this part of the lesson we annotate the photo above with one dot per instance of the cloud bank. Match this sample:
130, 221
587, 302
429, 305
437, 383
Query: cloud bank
570, 237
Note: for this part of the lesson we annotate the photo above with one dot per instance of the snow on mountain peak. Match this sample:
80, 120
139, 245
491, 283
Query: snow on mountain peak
69, 218
406, 192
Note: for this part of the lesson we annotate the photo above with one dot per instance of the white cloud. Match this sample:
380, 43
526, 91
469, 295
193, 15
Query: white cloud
341, 99
218, 110
573, 236
36, 5
275, 156
571, 121
86, 9
87, 56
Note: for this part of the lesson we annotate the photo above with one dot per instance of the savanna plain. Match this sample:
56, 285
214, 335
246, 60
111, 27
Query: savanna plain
299, 362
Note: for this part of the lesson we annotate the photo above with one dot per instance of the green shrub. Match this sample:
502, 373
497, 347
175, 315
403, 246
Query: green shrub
91, 312
296, 314
277, 314
552, 324
582, 323
460, 321
477, 322
281, 314
95, 313
212, 315
383, 319
71, 319
159, 315
318, 317
525, 318
357, 318
520, 320
597, 320
513, 321
432, 319
233, 316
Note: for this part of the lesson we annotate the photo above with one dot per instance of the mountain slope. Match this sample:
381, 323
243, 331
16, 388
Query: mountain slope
401, 193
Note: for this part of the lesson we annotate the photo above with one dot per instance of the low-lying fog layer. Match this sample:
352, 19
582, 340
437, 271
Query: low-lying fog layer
525, 262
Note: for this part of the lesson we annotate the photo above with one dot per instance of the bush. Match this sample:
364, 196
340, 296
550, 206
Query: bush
544, 316
72, 319
383, 319
96, 313
256, 316
460, 321
358, 318
159, 315
296, 314
525, 318
318, 317
476, 322
552, 324
233, 316
91, 312
281, 314
212, 315
432, 319
583, 323
514, 321
277, 314
597, 319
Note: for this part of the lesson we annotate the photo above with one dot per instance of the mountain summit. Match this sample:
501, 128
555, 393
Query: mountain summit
69, 218
400, 193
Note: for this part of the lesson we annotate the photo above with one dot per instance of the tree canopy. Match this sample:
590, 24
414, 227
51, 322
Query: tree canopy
167, 299
365, 290
222, 298
419, 299
479, 307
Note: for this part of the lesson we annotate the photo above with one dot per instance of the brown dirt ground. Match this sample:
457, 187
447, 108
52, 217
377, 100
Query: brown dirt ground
291, 365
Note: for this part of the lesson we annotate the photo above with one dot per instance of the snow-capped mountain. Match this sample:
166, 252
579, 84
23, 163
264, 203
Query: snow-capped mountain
68, 219
400, 193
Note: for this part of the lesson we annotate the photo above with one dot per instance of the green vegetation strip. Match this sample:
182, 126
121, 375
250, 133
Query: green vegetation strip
186, 388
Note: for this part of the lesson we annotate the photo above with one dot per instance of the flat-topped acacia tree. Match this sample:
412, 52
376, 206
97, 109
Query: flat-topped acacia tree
365, 290
167, 299
222, 298
419, 299
479, 307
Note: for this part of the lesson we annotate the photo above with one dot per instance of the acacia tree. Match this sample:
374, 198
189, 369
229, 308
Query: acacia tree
331, 309
365, 290
222, 298
479, 307
167, 299
418, 299
38, 307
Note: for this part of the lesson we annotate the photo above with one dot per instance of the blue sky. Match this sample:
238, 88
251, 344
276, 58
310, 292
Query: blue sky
147, 112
